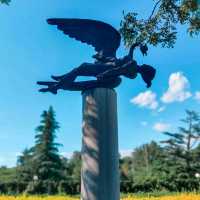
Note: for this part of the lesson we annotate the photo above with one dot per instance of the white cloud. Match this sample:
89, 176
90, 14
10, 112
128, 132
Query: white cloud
146, 99
161, 127
178, 89
144, 123
17, 154
161, 109
67, 154
197, 96
125, 152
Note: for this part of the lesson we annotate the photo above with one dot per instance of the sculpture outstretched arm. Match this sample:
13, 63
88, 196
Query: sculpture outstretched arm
132, 49
143, 49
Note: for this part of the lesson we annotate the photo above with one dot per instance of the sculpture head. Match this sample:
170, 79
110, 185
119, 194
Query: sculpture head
148, 73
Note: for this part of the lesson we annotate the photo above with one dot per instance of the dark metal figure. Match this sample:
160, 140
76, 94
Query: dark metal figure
107, 69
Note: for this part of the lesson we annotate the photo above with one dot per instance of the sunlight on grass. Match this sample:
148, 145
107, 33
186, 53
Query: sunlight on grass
130, 197
167, 197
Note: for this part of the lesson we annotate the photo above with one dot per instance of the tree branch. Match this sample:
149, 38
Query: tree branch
154, 8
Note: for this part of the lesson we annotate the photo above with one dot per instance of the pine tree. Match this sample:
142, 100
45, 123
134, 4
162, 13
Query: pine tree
180, 161
181, 144
48, 164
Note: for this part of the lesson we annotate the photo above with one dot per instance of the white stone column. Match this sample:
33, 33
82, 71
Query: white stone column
100, 157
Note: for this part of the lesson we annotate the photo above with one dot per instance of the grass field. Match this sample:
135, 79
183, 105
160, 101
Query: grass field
130, 197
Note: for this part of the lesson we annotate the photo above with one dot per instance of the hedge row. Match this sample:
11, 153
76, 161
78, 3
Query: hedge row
40, 187
71, 187
175, 185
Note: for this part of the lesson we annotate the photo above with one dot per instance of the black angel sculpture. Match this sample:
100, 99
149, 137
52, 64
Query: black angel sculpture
107, 68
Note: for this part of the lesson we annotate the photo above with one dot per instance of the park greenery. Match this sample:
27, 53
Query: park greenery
171, 165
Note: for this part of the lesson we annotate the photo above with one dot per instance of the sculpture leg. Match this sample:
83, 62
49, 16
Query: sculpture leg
79, 86
86, 69
67, 81
86, 85
70, 76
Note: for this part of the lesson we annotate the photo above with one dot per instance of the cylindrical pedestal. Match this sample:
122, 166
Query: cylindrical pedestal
100, 157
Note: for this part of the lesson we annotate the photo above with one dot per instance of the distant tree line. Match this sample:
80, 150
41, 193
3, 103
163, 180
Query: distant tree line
171, 165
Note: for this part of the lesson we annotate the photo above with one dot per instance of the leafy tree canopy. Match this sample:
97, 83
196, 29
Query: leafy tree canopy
5, 1
74, 166
160, 27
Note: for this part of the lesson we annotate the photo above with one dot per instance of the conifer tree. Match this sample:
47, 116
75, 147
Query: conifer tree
180, 162
181, 144
48, 164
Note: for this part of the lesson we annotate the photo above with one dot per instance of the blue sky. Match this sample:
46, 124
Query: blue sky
31, 50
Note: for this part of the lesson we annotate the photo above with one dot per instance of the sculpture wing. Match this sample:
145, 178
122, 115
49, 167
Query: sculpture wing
103, 37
